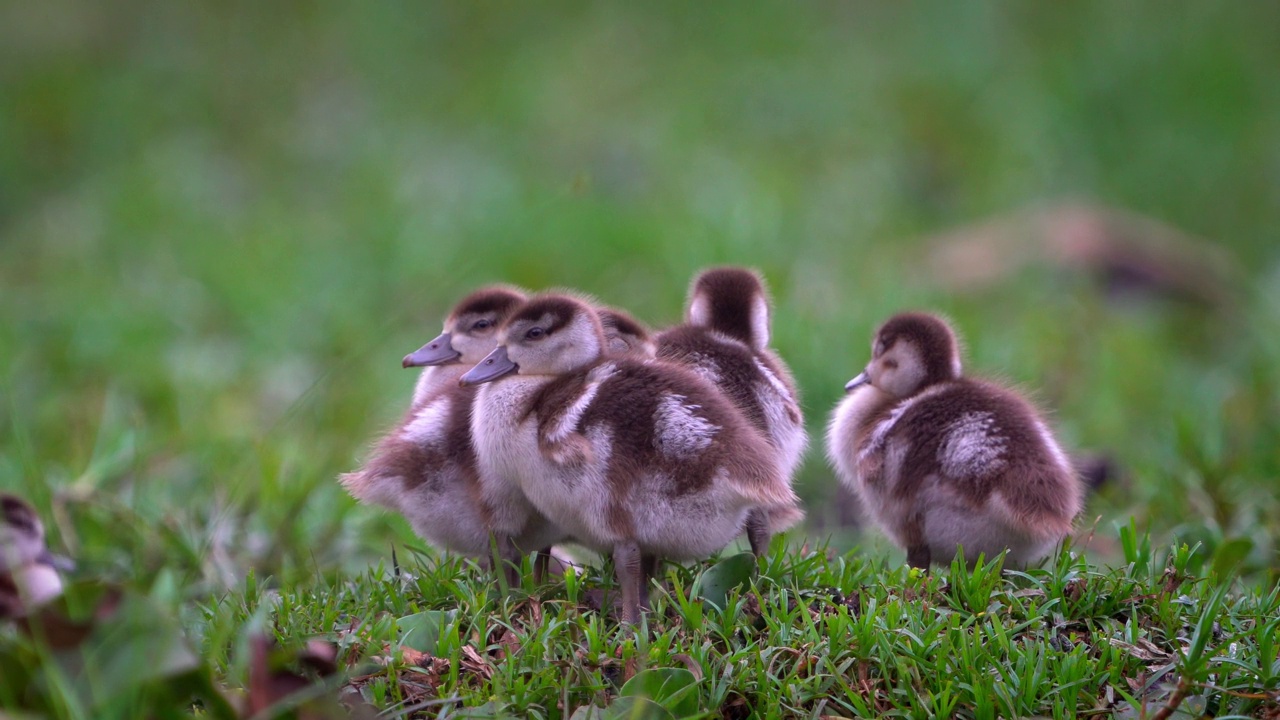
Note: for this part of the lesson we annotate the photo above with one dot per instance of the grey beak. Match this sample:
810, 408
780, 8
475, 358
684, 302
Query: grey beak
862, 379
57, 562
436, 352
493, 366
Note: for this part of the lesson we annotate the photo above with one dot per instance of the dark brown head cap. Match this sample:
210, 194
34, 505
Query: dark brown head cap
558, 310
499, 299
18, 515
933, 339
732, 301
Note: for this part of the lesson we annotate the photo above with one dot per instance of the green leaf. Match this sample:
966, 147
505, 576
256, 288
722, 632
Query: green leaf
487, 711
632, 708
422, 631
1204, 630
1228, 557
720, 579
675, 689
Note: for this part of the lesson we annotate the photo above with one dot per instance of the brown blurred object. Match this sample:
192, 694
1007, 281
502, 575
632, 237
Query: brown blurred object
1096, 470
299, 679
1130, 254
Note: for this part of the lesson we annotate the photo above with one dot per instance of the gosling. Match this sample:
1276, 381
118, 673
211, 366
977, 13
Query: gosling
942, 461
425, 467
725, 339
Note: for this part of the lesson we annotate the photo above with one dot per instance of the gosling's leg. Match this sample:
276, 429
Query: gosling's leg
758, 531
918, 555
627, 566
650, 566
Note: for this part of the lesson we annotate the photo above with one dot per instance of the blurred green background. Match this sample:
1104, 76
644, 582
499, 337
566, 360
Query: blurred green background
222, 225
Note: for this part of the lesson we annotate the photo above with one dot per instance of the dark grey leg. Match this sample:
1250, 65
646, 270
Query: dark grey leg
918, 555
758, 531
650, 566
626, 565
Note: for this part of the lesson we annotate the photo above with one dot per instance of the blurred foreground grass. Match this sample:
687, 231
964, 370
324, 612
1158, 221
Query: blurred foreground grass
221, 227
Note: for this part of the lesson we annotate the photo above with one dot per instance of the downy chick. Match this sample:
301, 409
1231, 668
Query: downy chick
725, 339
942, 461
28, 571
425, 467
635, 458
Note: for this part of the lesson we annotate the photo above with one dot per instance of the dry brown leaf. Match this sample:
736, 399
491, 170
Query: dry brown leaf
508, 645
409, 656
472, 662
1144, 649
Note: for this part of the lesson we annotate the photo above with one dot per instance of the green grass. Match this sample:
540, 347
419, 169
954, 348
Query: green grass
811, 634
220, 228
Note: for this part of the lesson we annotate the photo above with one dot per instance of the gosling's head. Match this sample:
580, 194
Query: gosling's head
624, 335
551, 334
470, 330
733, 301
911, 351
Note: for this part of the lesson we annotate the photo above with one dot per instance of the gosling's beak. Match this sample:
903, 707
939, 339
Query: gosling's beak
493, 366
862, 379
436, 352
57, 562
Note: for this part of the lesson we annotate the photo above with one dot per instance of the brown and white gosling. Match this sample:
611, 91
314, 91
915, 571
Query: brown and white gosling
425, 467
636, 458
942, 461
725, 339
28, 571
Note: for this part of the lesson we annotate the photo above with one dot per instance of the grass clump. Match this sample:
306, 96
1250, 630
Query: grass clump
811, 633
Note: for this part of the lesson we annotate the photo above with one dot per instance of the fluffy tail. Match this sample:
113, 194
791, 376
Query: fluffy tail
1044, 505
370, 488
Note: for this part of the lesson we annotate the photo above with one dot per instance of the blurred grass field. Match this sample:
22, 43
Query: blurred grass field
222, 226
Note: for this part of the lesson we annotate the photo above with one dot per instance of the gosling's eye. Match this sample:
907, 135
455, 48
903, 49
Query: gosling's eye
482, 325
890, 364
535, 333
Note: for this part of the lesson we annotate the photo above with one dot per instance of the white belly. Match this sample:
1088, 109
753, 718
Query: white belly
506, 450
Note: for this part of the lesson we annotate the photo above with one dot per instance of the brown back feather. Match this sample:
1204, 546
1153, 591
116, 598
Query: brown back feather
1032, 483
